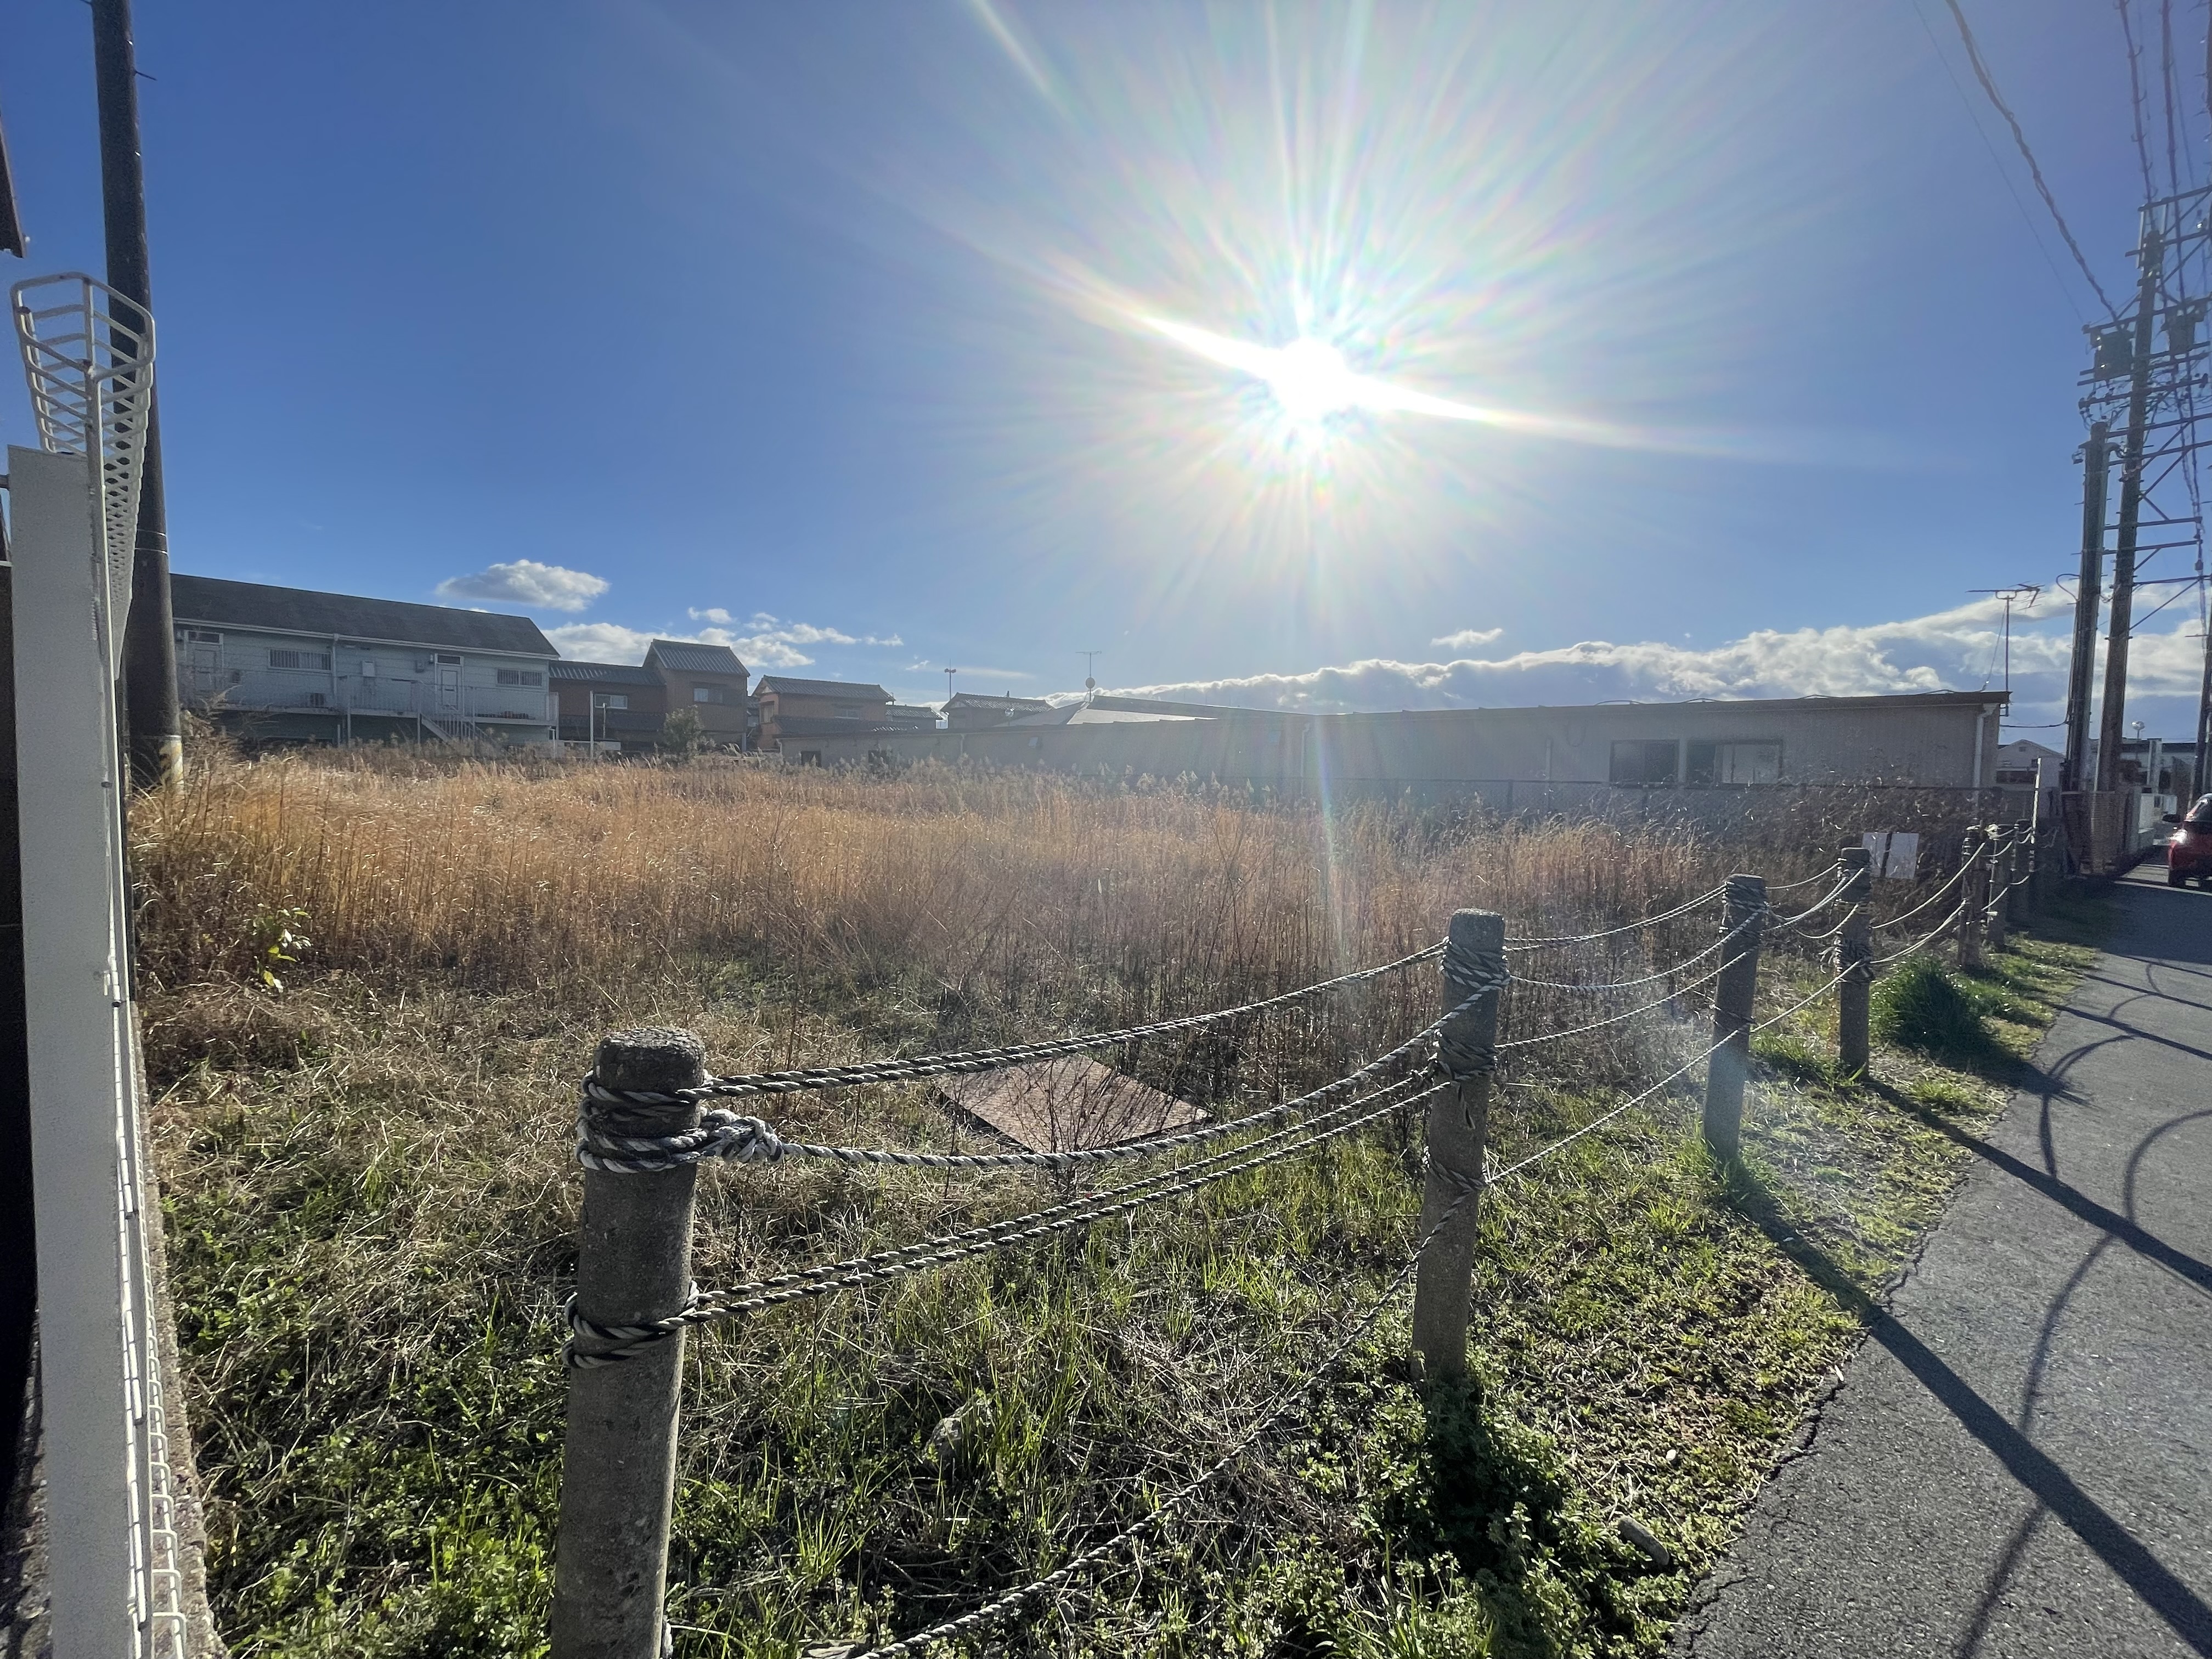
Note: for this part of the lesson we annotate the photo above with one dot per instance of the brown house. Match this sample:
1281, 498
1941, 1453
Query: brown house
611, 702
792, 710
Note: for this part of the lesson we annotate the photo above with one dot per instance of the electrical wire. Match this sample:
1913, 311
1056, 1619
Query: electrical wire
2019, 139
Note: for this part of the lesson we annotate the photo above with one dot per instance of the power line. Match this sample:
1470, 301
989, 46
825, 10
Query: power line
2167, 88
2019, 139
2136, 97
1981, 132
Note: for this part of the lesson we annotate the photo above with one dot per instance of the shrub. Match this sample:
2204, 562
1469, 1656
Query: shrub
1921, 1006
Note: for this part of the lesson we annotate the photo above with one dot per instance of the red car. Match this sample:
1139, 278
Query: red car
2190, 853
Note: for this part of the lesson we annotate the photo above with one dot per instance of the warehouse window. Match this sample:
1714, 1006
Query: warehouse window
1735, 763
521, 676
299, 658
711, 694
1643, 759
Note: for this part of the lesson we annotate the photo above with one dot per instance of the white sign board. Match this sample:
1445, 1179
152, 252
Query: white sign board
1894, 854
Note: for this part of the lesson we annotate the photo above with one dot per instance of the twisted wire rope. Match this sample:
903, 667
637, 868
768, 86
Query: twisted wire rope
1626, 928
1629, 984
748, 1140
1631, 1013
745, 1084
1792, 886
1784, 923
1638, 1099
1956, 877
1925, 939
712, 1307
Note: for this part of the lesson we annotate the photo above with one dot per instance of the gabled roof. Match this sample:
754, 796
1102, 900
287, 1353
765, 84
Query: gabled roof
603, 673
689, 657
304, 610
988, 700
846, 688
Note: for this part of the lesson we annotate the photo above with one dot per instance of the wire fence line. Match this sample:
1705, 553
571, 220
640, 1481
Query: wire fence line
1017, 1054
1457, 1051
619, 1342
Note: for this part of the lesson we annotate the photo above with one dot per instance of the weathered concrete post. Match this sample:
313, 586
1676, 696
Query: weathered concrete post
619, 1472
1743, 923
1459, 1126
2022, 896
1855, 959
1974, 897
2001, 853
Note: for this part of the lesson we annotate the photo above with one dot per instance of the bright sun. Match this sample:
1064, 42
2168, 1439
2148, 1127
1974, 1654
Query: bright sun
1311, 382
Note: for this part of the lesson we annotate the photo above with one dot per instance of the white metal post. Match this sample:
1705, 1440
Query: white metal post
116, 1586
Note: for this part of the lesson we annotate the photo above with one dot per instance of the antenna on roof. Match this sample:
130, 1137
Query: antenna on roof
1090, 671
948, 673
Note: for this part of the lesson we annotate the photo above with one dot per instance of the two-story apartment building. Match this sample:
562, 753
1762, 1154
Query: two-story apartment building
625, 707
292, 665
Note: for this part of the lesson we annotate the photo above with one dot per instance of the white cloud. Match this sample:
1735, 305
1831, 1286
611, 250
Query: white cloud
527, 582
1468, 638
600, 641
771, 644
1949, 650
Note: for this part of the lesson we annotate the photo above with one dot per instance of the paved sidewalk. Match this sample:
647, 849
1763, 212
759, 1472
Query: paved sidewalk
2019, 1463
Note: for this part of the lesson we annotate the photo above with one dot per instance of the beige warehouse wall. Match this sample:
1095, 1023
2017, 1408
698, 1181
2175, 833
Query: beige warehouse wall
1947, 741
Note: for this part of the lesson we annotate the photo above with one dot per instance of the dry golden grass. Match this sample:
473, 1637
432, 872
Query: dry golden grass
508, 876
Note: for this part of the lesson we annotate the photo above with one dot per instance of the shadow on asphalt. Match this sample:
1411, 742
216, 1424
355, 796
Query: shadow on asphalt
2184, 1612
2123, 1230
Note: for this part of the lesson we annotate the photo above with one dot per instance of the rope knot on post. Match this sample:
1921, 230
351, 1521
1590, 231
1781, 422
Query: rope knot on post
1467, 1048
607, 1122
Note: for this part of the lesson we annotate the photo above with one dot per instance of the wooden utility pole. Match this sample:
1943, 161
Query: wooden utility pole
2096, 466
149, 646
2150, 259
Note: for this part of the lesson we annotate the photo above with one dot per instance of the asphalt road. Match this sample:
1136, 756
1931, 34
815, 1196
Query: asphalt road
2019, 1461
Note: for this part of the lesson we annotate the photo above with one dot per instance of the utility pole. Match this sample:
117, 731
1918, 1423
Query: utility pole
2150, 257
150, 646
2088, 594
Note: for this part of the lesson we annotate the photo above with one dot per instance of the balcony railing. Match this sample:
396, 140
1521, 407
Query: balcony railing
291, 689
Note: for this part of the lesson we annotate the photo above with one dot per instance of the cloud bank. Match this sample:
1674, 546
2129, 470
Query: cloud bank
1949, 650
527, 582
764, 642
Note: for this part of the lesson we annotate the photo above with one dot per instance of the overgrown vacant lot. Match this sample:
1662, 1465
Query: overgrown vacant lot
371, 1194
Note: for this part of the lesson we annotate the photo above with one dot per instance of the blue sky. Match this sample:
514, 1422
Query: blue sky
835, 330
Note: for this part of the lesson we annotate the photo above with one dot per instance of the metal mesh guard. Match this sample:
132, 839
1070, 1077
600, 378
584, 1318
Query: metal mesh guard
88, 357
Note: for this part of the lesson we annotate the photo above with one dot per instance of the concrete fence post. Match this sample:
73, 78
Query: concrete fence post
1997, 909
1855, 960
1458, 1131
618, 1471
2020, 898
1743, 924
1973, 898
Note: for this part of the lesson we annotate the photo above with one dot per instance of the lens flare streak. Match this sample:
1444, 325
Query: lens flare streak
1311, 381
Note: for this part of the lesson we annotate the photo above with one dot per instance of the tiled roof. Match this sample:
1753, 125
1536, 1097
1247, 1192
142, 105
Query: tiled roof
689, 657
845, 688
603, 673
210, 599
